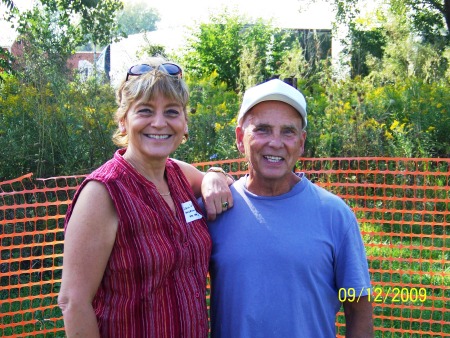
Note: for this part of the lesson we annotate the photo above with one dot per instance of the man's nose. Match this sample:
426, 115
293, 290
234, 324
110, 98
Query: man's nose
276, 141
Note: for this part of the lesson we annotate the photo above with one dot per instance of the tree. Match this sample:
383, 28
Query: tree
401, 38
50, 32
430, 18
44, 110
137, 17
71, 23
5, 56
9, 4
98, 24
217, 46
54, 130
212, 122
365, 45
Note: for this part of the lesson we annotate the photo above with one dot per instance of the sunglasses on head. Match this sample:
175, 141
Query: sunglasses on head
169, 68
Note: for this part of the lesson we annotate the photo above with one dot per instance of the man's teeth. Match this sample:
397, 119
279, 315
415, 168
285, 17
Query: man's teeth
158, 137
273, 158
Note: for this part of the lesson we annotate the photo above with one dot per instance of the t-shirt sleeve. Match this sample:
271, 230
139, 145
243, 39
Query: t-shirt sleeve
351, 267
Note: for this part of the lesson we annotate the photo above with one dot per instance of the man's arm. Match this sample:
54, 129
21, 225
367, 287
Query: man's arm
213, 187
358, 318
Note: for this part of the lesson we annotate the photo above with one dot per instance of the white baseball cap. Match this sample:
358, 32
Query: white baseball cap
273, 90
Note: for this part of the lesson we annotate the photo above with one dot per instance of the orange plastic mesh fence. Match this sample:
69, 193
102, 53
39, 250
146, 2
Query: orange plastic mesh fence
402, 206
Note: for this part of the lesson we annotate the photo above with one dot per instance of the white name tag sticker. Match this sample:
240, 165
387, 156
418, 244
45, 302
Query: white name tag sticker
190, 214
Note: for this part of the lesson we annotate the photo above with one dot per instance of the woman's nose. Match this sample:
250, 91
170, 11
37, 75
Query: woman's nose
159, 120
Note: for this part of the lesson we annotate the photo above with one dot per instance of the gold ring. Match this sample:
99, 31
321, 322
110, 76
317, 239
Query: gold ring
225, 205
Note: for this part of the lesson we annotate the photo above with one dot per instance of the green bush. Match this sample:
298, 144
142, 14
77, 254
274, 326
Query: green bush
54, 131
212, 121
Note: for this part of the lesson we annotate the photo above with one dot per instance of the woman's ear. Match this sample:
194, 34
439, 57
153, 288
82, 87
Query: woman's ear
122, 128
186, 135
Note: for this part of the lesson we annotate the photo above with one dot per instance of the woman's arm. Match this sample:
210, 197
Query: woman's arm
89, 239
213, 187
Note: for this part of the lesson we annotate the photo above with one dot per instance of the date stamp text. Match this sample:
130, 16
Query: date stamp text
380, 294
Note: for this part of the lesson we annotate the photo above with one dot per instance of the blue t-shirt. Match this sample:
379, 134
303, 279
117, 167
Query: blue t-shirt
278, 263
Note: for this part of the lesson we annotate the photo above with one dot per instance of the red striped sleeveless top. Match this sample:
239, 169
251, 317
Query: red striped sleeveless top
155, 280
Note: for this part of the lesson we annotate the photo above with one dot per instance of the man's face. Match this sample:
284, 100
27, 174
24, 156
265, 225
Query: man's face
272, 138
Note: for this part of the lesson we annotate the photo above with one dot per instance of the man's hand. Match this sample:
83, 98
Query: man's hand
216, 194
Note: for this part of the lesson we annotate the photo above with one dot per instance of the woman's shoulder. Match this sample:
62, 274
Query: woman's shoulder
178, 167
109, 171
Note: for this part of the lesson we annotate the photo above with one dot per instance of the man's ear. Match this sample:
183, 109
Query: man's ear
240, 139
302, 148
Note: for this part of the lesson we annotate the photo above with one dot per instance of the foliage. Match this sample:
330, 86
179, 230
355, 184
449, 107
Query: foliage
308, 73
217, 47
62, 25
397, 106
404, 55
401, 37
5, 62
9, 4
53, 130
137, 17
46, 47
430, 18
405, 119
212, 121
150, 49
365, 45
98, 24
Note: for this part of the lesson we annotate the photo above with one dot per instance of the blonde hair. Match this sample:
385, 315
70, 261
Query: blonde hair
144, 88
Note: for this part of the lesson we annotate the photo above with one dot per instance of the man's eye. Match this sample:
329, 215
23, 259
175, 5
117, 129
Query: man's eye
289, 131
261, 129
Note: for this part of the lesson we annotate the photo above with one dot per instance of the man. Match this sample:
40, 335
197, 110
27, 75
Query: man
286, 248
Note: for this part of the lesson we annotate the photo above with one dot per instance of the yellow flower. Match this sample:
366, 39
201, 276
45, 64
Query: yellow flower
394, 125
388, 135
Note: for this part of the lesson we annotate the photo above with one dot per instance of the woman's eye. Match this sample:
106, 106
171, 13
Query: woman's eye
172, 112
144, 111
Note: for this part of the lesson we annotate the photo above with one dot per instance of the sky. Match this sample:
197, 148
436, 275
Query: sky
176, 14
285, 13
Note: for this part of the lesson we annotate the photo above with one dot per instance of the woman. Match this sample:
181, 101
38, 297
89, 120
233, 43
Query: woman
137, 248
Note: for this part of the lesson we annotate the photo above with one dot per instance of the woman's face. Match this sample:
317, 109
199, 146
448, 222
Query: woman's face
155, 128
